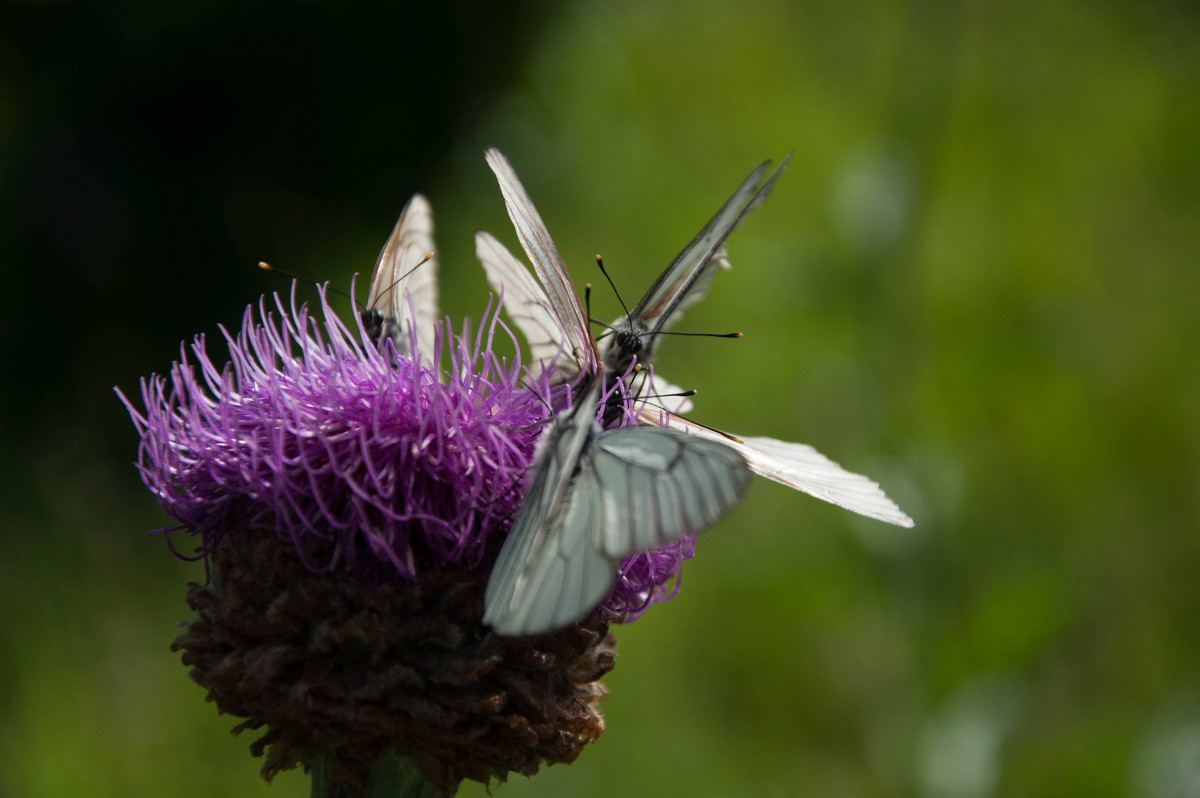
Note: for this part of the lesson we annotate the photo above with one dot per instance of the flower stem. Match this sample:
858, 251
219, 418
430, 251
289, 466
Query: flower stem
393, 777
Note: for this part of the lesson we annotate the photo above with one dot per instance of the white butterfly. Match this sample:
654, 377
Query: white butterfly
552, 319
402, 299
598, 496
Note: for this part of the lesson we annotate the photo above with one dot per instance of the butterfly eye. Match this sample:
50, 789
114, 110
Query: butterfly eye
629, 342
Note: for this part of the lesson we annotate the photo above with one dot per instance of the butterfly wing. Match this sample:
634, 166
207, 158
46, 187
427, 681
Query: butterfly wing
403, 297
547, 263
655, 484
531, 310
718, 262
546, 554
529, 307
597, 497
692, 269
801, 467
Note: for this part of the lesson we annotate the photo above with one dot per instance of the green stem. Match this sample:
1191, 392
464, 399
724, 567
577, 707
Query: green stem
392, 777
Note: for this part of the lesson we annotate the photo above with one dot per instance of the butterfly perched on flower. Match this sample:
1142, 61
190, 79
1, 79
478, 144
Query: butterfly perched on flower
548, 312
402, 297
598, 496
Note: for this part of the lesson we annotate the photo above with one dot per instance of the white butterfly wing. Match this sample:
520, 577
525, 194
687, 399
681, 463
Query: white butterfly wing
550, 315
801, 467
547, 570
403, 295
696, 262
547, 263
531, 310
718, 262
656, 484
528, 306
596, 498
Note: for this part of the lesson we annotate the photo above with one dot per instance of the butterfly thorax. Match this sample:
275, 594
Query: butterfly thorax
622, 388
616, 397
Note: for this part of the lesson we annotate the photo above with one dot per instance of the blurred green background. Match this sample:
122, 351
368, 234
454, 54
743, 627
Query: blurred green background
978, 283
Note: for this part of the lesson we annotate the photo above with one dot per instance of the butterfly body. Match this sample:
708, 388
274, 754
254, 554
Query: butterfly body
630, 339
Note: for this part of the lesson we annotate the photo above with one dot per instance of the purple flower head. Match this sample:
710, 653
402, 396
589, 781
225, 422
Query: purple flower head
317, 463
357, 456
350, 499
349, 496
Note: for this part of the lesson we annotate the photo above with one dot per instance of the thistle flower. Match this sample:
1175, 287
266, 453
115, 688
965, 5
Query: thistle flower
349, 498
348, 501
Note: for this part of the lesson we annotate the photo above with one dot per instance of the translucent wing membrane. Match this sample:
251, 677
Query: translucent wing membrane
530, 309
557, 336
699, 289
597, 497
692, 270
402, 298
802, 467
656, 484
798, 466
547, 263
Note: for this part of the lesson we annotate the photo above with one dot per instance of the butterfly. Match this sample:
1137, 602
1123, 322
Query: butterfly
402, 298
555, 324
598, 496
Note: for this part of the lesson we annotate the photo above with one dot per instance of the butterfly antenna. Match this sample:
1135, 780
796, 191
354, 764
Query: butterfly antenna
266, 267
540, 398
691, 392
600, 263
587, 304
644, 373
702, 335
428, 257
713, 430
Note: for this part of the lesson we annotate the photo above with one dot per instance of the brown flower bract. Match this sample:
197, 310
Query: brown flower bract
333, 669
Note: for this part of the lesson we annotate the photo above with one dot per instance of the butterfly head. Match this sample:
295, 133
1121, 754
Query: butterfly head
374, 324
629, 340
